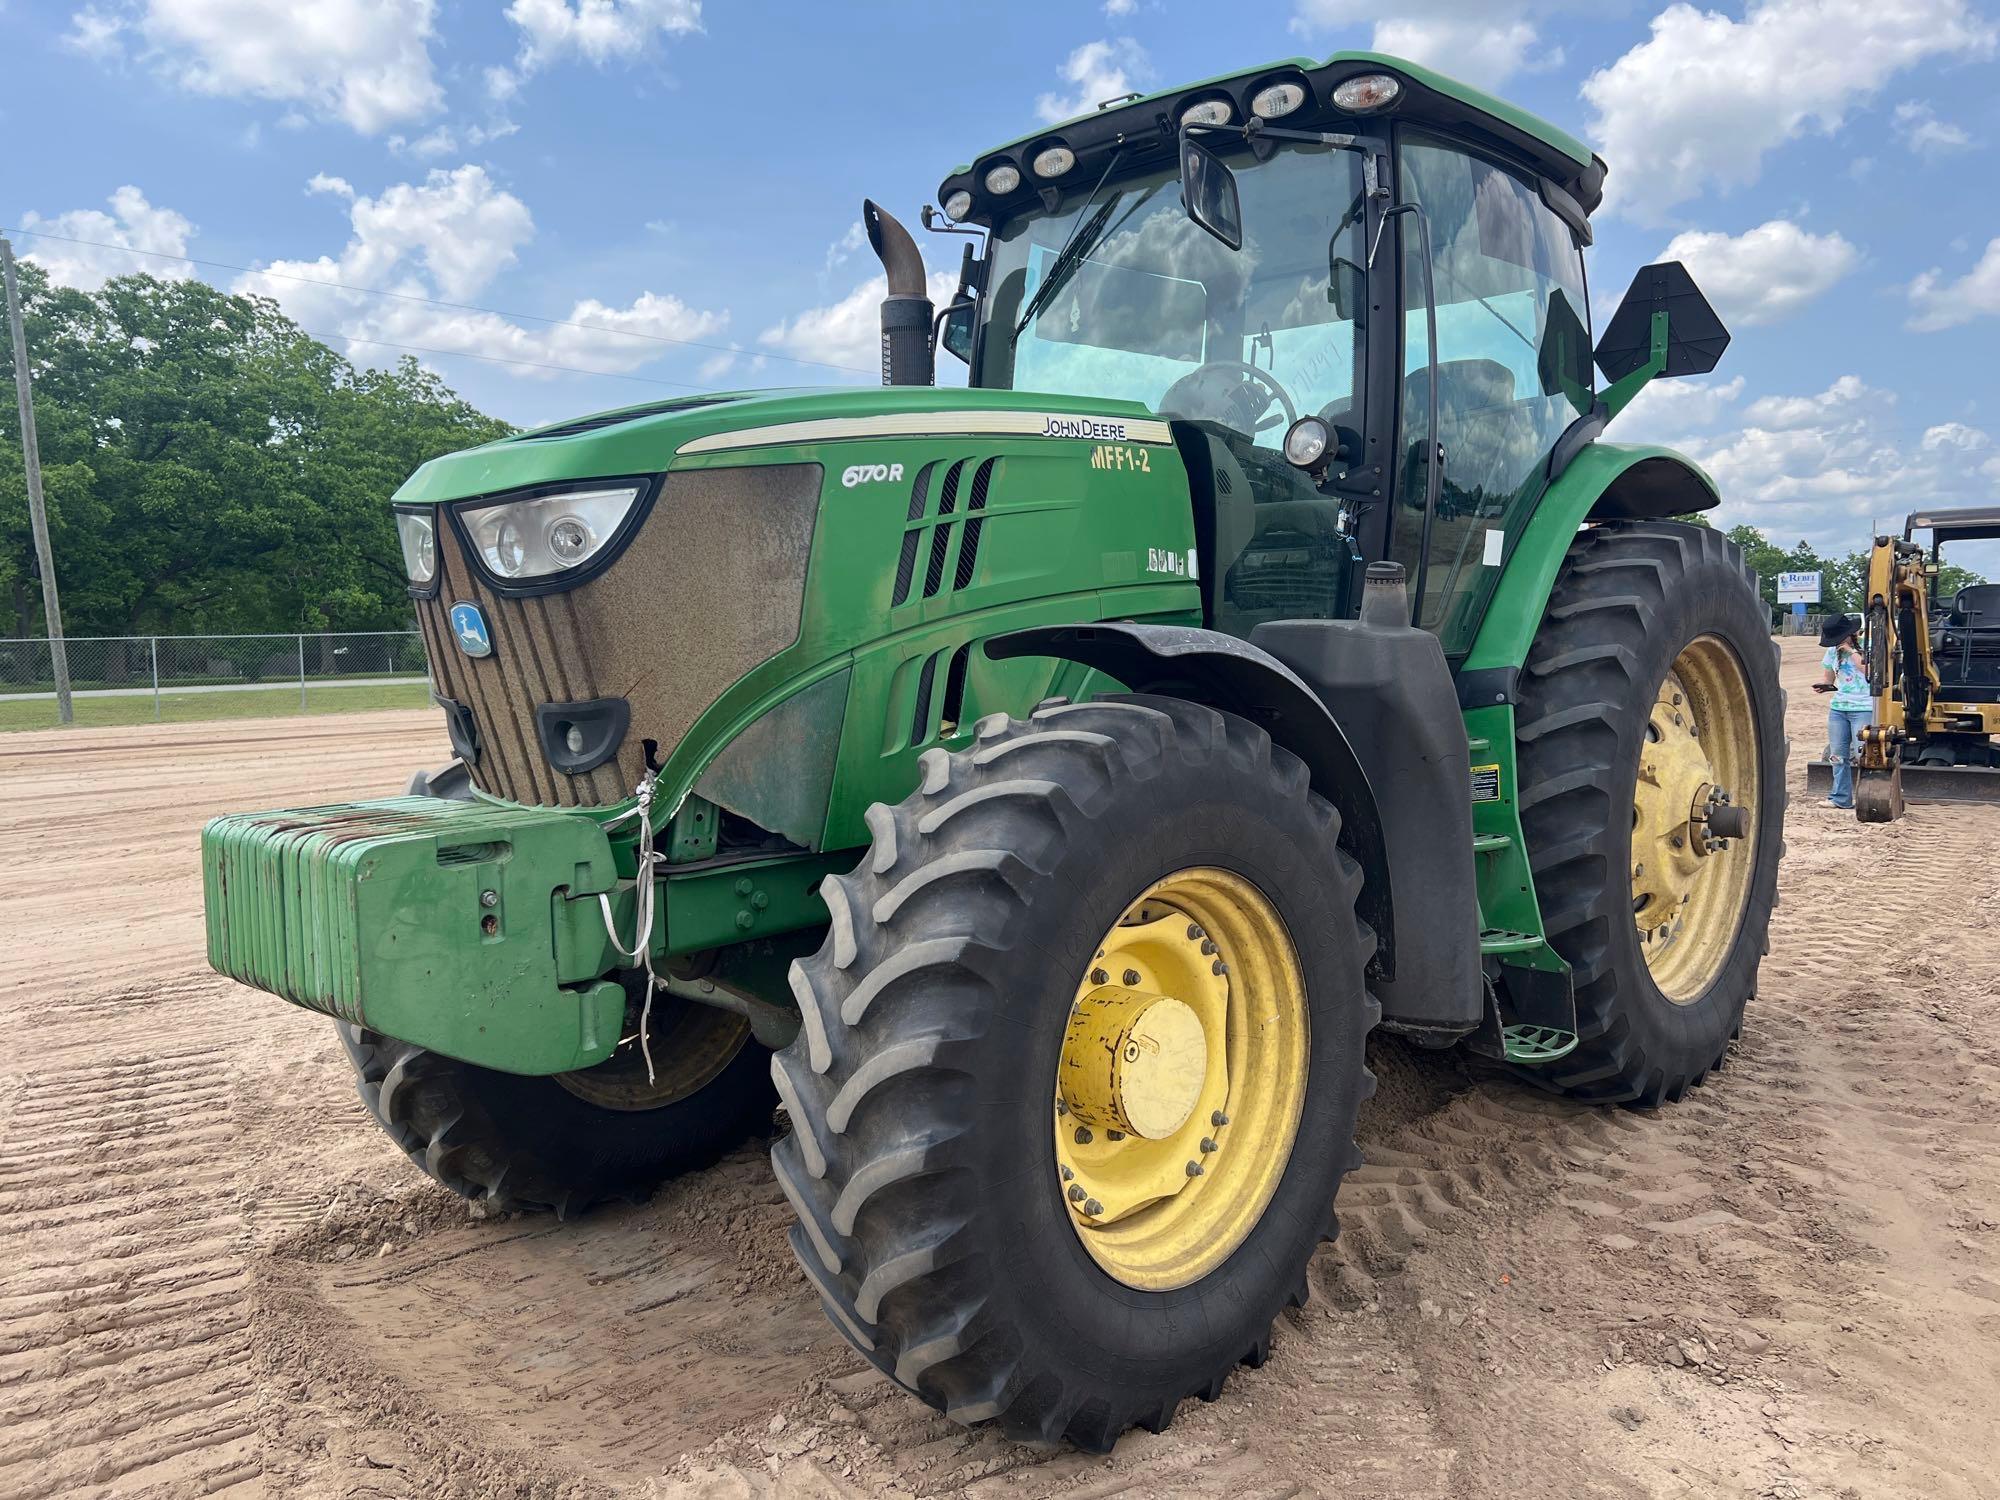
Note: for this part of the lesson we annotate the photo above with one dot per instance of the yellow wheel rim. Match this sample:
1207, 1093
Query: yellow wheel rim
1182, 1079
1690, 886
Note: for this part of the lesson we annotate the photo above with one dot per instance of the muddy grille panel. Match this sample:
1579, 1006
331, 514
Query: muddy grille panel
709, 587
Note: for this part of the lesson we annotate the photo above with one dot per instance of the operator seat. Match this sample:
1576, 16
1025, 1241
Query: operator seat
1967, 646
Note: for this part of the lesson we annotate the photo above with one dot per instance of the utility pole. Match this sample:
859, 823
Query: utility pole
31, 462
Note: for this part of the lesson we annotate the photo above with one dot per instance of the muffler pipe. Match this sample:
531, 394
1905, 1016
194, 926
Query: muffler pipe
907, 356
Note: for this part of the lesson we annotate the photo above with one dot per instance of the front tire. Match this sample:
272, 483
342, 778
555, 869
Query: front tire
1653, 638
942, 1217
567, 1142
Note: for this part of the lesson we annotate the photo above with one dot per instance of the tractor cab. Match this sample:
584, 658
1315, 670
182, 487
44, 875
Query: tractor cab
1965, 624
1356, 289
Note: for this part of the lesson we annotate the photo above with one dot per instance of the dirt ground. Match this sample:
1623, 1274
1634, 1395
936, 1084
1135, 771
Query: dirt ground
217, 1275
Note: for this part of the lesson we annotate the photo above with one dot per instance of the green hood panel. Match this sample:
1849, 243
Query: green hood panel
648, 438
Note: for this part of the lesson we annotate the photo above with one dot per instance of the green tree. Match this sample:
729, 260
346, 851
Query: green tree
209, 467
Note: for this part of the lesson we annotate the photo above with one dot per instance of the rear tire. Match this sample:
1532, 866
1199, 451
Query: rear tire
923, 1158
1630, 600
525, 1143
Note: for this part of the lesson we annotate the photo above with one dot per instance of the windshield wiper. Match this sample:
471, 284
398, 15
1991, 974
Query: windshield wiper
1075, 247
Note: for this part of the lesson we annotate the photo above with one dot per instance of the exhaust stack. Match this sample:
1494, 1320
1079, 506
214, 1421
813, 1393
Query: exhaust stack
907, 356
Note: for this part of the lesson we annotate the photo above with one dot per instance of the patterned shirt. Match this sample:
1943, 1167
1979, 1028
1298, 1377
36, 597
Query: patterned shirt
1850, 681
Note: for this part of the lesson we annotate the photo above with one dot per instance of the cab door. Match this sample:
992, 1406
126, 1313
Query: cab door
1514, 370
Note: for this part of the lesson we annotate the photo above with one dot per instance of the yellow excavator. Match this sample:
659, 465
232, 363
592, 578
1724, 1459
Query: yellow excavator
1934, 670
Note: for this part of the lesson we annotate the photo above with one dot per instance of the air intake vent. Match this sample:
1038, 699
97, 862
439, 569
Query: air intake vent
941, 534
906, 565
941, 562
968, 547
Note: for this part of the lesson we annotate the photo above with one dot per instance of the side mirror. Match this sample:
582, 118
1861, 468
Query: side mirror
1695, 335
1346, 289
1208, 193
1563, 362
956, 335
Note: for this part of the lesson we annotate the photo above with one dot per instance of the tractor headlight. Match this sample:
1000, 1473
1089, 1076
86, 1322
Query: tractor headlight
1277, 100
545, 534
1306, 442
958, 205
1053, 161
1366, 94
1207, 112
1002, 179
417, 531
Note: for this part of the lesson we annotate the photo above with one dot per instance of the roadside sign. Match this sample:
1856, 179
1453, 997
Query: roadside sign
1798, 588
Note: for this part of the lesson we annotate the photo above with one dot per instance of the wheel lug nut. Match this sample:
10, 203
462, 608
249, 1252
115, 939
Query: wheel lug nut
1114, 1135
1208, 945
1098, 976
1093, 1207
1194, 931
1062, 1106
1218, 967
1131, 977
1076, 1192
1083, 1136
1207, 1144
1067, 1174
1218, 1118
1194, 1169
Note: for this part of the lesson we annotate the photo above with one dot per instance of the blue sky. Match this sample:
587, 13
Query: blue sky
692, 169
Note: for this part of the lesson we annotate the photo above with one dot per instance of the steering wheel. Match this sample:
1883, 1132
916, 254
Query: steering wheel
1201, 388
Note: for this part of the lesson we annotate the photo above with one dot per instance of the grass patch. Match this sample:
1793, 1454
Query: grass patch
177, 708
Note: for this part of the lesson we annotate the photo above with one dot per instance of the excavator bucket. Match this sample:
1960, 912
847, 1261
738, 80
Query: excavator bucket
1878, 795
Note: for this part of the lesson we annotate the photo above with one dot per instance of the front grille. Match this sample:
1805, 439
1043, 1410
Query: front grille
710, 586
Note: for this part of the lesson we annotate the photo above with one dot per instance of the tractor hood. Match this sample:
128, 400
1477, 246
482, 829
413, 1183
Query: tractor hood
647, 439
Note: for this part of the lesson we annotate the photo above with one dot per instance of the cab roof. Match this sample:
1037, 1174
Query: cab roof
1430, 97
1979, 523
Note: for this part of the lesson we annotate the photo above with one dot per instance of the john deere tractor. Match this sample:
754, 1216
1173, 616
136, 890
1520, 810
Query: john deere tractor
1039, 790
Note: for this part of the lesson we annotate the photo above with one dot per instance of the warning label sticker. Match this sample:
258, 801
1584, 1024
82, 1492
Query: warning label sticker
1485, 783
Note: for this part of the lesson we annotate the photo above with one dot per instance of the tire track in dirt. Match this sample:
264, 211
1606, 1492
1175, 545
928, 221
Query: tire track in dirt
124, 1336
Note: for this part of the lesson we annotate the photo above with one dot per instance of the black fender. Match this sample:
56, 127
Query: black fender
1206, 666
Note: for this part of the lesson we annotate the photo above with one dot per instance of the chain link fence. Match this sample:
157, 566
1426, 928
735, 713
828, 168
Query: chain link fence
145, 678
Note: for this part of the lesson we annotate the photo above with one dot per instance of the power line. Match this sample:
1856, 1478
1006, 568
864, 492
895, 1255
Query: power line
371, 291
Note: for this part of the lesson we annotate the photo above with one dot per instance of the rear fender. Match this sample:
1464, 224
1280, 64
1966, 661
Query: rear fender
1205, 666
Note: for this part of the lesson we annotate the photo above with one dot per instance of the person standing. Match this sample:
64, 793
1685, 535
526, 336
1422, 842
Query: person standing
1845, 675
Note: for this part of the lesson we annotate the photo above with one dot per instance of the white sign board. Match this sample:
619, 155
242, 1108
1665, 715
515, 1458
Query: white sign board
1798, 588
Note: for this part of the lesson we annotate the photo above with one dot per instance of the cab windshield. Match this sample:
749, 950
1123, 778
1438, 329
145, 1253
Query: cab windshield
1148, 306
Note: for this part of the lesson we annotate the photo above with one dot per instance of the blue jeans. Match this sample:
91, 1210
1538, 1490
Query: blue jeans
1842, 727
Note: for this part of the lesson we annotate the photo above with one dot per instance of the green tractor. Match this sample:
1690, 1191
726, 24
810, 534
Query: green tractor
1041, 789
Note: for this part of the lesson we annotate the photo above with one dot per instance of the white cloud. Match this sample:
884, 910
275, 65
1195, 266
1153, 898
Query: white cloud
1765, 273
1828, 466
1919, 128
847, 332
1479, 51
596, 30
1787, 413
1117, 8
1480, 41
1095, 72
337, 187
132, 222
95, 34
1698, 104
1943, 304
1665, 411
1955, 435
364, 62
448, 237
1824, 467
